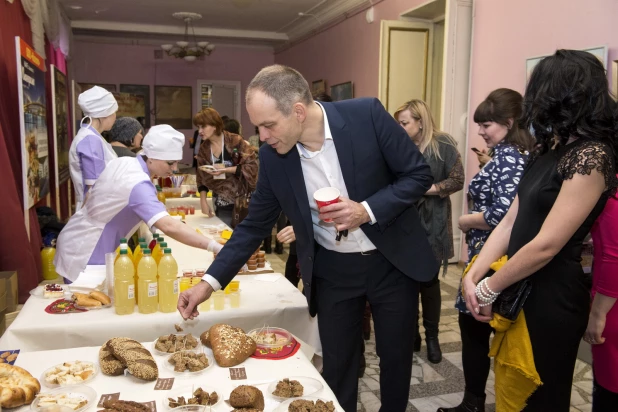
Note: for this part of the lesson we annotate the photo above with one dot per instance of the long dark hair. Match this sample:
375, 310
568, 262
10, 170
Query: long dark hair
504, 106
568, 95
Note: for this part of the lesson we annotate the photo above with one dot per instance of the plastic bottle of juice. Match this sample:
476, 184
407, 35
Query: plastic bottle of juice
157, 252
124, 286
123, 241
138, 249
160, 194
139, 254
168, 282
147, 284
153, 242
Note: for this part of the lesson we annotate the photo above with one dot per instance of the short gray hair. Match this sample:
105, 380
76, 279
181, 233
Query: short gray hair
283, 84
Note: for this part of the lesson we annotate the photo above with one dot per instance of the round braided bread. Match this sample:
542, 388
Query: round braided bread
17, 386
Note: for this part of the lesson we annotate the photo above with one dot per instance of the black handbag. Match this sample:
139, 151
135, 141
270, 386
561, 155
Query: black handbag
510, 302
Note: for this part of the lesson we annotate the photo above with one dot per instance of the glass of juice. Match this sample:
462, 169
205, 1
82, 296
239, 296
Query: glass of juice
234, 285
173, 211
182, 214
235, 299
187, 273
205, 305
185, 283
219, 300
191, 210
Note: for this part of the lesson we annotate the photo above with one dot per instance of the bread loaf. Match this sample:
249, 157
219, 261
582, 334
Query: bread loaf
110, 365
137, 359
205, 338
246, 396
17, 386
230, 345
86, 301
101, 297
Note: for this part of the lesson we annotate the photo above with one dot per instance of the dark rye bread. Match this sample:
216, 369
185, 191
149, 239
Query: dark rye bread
246, 396
231, 346
110, 365
136, 357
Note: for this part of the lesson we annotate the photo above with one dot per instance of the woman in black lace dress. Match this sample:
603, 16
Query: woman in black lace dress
563, 190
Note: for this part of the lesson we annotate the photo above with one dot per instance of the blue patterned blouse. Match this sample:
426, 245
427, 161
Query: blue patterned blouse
492, 191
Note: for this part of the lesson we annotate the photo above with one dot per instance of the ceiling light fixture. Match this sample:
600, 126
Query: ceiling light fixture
75, 7
183, 48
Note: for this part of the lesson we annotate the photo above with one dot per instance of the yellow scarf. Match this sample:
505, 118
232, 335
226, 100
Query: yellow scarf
516, 375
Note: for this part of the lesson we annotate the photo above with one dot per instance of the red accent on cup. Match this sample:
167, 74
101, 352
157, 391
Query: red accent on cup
326, 196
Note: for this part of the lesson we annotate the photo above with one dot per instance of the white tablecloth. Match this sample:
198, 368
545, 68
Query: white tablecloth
218, 378
262, 303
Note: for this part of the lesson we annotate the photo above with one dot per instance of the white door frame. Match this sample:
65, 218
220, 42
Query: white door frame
236, 84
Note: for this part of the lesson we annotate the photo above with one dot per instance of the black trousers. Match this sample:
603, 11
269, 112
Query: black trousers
474, 353
603, 400
291, 271
343, 282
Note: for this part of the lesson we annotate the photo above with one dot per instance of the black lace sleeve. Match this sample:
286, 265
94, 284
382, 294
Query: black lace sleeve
587, 156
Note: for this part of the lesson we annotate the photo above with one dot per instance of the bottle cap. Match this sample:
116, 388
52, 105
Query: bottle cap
141, 240
167, 250
163, 245
161, 239
123, 240
123, 251
155, 236
146, 251
143, 245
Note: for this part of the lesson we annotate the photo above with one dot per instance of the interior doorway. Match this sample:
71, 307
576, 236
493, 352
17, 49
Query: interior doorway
426, 55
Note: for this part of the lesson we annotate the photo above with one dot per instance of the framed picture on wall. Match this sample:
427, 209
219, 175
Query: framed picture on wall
108, 87
318, 86
342, 91
173, 106
140, 90
599, 52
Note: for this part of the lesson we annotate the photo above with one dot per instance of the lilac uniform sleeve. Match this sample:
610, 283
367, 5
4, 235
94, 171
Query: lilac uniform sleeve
91, 158
144, 203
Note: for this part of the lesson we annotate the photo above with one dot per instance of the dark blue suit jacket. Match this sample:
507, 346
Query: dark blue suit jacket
380, 164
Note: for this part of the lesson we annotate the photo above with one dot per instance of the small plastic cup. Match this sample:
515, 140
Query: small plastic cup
219, 300
187, 273
200, 272
235, 300
185, 283
191, 210
204, 306
173, 211
326, 196
234, 285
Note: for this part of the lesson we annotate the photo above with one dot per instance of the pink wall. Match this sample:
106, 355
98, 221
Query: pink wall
508, 32
126, 64
349, 51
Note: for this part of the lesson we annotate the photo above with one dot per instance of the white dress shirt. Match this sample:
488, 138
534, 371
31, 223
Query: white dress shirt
322, 169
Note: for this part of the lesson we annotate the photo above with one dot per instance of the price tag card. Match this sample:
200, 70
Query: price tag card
108, 397
152, 405
237, 374
164, 384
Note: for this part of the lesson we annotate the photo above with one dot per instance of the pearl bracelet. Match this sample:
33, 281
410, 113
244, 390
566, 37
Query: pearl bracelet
484, 294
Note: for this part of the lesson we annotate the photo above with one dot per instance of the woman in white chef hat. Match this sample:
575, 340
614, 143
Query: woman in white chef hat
121, 199
90, 153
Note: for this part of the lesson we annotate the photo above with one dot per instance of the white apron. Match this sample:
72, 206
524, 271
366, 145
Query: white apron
75, 165
106, 199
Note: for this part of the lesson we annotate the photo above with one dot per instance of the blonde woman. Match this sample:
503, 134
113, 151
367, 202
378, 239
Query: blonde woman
440, 152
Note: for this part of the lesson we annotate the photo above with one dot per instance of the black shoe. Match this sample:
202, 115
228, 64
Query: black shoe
470, 403
279, 248
267, 249
434, 353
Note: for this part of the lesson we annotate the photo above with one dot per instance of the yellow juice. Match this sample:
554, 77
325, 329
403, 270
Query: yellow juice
123, 241
235, 299
124, 287
147, 284
156, 251
137, 257
185, 283
168, 282
219, 300
204, 306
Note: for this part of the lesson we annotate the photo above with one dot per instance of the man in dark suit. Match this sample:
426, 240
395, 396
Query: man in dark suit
357, 147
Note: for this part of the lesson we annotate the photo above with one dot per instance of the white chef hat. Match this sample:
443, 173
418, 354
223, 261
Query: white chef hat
97, 103
163, 142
